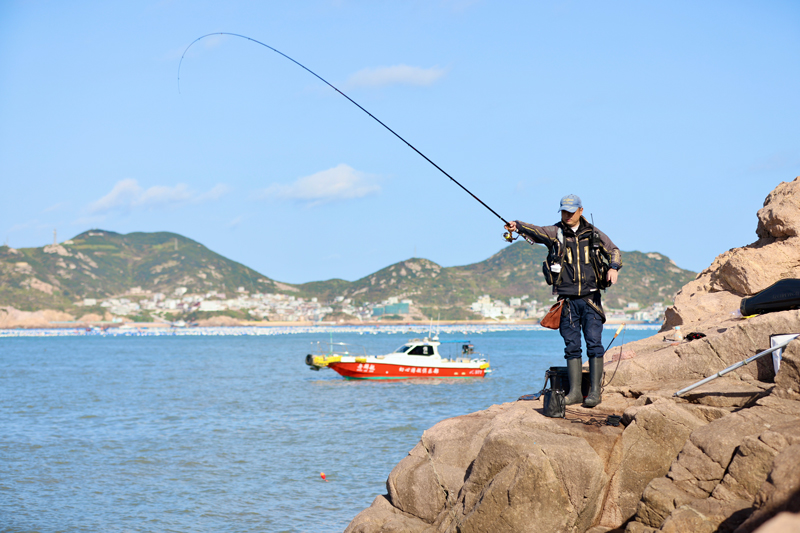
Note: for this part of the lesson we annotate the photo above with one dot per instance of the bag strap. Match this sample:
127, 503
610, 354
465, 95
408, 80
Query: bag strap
562, 250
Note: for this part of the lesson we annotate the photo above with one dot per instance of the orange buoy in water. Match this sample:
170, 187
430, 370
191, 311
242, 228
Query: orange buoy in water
322, 475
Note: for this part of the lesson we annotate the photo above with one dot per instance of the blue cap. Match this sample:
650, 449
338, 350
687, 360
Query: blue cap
570, 203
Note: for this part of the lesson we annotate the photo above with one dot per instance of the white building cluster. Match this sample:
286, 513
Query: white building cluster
523, 308
286, 308
274, 307
517, 308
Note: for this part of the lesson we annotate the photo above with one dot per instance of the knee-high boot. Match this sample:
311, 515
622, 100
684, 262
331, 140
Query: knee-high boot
596, 380
575, 374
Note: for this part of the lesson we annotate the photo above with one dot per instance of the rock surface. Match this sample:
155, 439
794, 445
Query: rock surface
717, 291
722, 457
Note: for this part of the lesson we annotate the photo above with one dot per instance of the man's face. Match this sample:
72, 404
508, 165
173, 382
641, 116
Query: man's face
571, 219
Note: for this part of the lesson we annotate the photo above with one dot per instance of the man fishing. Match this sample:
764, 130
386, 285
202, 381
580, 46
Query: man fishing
573, 243
576, 267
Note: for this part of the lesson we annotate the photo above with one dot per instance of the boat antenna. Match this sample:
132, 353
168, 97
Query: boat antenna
507, 236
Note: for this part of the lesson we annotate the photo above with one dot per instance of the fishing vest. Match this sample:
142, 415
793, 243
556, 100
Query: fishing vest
591, 257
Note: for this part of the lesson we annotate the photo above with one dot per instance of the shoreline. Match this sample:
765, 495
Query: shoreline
267, 324
77, 324
287, 328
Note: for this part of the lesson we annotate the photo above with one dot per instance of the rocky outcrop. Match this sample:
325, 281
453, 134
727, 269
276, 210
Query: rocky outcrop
717, 291
720, 458
718, 482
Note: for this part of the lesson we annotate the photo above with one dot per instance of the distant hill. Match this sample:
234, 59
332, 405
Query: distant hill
514, 271
100, 264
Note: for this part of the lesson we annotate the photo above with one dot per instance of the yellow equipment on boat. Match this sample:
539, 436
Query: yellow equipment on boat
321, 360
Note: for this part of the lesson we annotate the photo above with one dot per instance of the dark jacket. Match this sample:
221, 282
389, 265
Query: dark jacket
577, 275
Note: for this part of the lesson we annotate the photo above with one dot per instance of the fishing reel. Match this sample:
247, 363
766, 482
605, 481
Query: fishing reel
509, 236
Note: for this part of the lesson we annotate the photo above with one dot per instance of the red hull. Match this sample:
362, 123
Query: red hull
388, 371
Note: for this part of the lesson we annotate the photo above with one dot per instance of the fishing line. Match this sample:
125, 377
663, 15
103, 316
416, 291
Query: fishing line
348, 98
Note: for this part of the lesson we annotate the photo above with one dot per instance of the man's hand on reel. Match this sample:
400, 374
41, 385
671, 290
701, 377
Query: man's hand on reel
511, 227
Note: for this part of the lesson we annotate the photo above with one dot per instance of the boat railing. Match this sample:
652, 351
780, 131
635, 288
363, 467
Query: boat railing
339, 348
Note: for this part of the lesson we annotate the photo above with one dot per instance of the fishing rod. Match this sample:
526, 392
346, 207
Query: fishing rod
507, 236
619, 360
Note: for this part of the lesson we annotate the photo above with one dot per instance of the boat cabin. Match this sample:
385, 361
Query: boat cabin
417, 347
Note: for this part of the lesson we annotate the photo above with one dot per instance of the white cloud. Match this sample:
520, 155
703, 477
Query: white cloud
396, 75
235, 222
341, 182
122, 195
162, 195
56, 207
127, 195
215, 193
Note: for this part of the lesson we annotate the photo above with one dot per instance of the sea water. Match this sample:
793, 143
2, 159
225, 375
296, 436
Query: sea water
225, 432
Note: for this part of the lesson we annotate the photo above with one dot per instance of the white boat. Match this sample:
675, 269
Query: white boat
418, 358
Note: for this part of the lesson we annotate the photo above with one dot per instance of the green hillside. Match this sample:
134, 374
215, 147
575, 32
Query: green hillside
101, 264
514, 271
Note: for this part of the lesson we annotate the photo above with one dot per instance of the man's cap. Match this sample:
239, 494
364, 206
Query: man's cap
570, 203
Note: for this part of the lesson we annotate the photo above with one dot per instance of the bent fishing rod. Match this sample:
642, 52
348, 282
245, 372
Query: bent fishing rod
507, 236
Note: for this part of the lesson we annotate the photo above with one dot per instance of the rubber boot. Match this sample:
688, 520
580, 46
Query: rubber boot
596, 382
575, 374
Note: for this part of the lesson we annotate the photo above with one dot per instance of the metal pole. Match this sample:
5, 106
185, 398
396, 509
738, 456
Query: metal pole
733, 367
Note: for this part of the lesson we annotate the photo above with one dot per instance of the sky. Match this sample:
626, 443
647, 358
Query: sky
672, 121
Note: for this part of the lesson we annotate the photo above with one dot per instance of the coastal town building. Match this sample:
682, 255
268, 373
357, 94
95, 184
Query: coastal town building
288, 308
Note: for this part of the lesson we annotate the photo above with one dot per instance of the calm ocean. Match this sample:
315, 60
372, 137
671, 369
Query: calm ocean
223, 433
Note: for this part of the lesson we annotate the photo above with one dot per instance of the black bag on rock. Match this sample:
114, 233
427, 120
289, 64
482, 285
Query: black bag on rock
780, 296
555, 405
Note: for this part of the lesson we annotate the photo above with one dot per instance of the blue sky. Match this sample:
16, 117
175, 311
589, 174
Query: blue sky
672, 121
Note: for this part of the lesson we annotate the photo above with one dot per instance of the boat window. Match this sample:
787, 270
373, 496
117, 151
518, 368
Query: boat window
403, 349
421, 350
